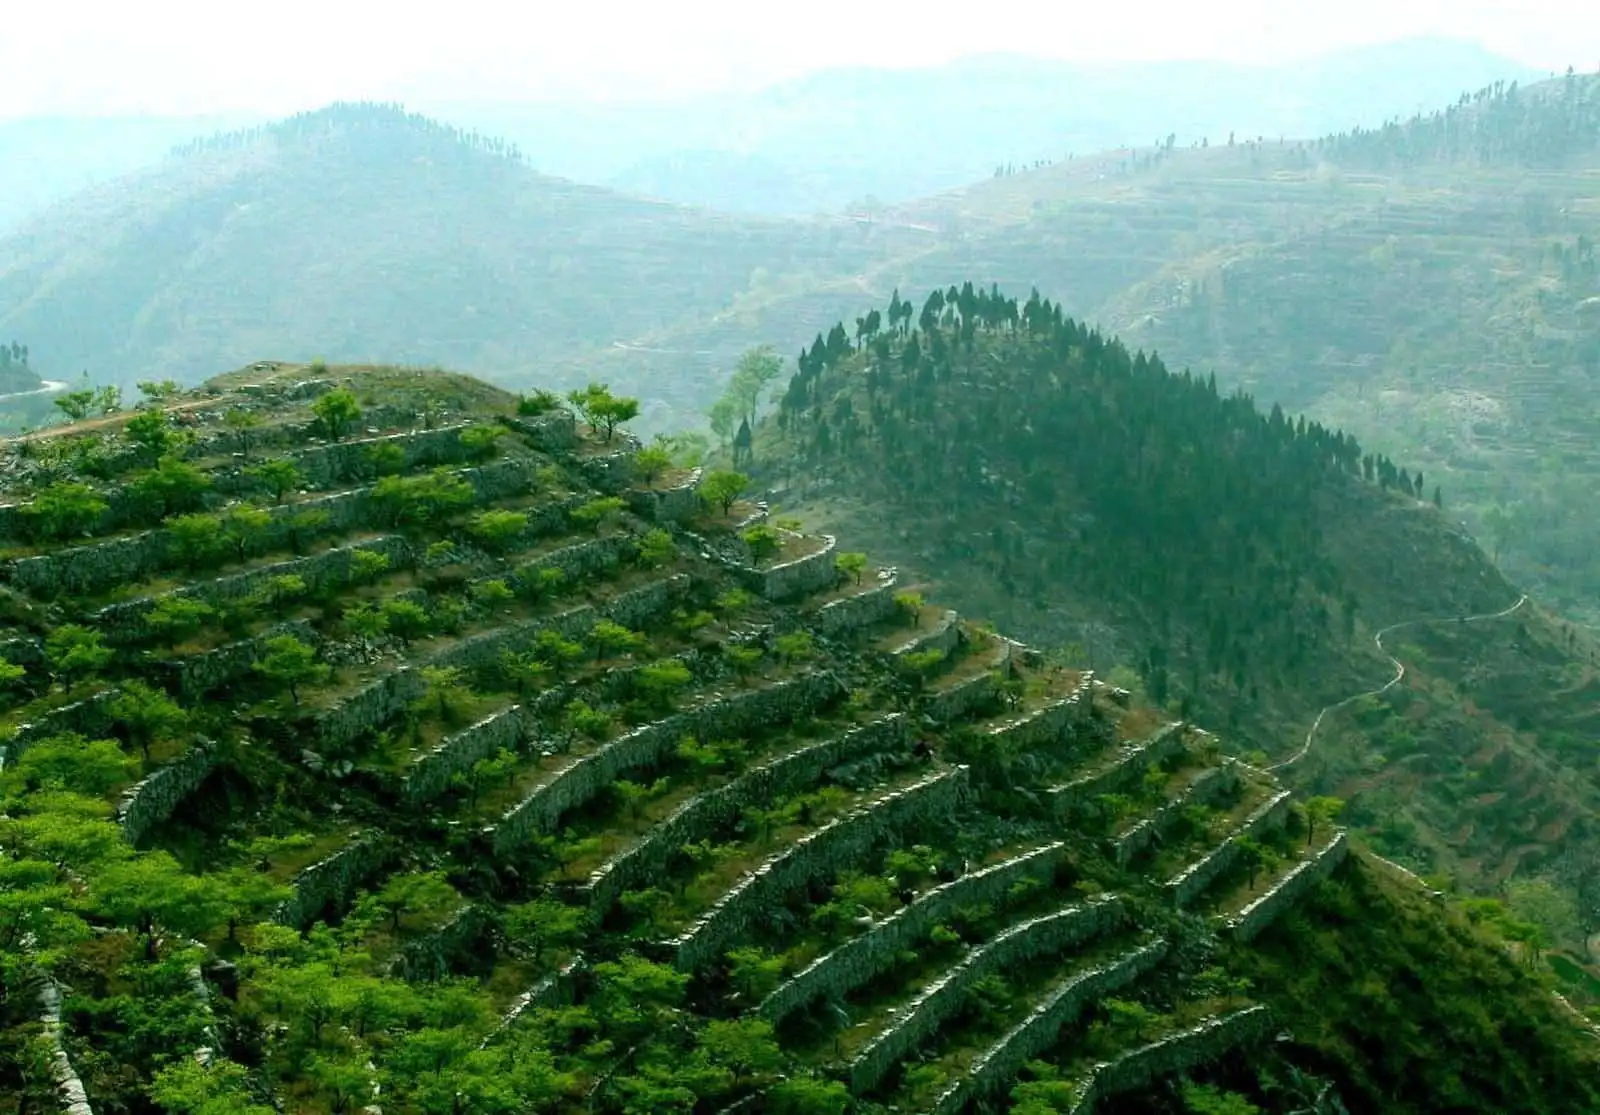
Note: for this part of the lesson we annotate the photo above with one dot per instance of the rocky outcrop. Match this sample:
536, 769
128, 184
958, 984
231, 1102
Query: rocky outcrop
852, 964
74, 1098
1187, 885
922, 1017
861, 609
1306, 874
334, 881
814, 855
1036, 1033
1127, 766
708, 813
583, 777
1178, 1052
158, 796
432, 772
1207, 786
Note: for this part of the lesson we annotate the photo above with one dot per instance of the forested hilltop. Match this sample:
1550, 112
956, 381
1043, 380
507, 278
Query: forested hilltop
1239, 564
375, 738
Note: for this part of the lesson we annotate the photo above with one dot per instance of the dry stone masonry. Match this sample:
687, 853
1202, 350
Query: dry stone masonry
1187, 885
1306, 874
699, 817
852, 964
158, 796
1204, 1043
333, 881
921, 1018
432, 772
1207, 786
1128, 765
581, 779
813, 855
1036, 1033
866, 608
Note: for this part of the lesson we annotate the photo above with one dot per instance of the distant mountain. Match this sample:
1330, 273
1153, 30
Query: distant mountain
362, 229
836, 137
45, 158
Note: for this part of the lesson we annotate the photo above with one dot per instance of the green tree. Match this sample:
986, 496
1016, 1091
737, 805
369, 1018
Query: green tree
425, 499
11, 674
757, 368
805, 1095
601, 409
764, 543
364, 621
76, 404
174, 486
288, 663
147, 715
243, 527
304, 525
1321, 811
150, 891
498, 530
280, 475
67, 508
426, 894
149, 431
482, 442
386, 458
595, 514
175, 618
220, 1087
198, 538
651, 462
243, 424
722, 489
659, 682
797, 646
407, 619
611, 639
443, 691
76, 652
744, 1046
108, 399
69, 762
525, 672
545, 924
656, 549
367, 566
336, 412
159, 391
852, 565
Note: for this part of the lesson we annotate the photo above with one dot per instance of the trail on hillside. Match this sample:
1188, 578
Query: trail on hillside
1399, 673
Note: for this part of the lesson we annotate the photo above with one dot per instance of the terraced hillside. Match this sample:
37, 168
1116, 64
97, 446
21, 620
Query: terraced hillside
379, 741
1240, 564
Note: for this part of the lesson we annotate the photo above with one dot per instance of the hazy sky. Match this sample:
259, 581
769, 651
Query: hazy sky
192, 56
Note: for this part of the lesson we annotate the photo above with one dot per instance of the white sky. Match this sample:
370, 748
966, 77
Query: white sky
193, 56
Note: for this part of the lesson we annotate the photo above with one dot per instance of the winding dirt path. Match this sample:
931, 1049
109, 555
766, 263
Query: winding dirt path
1399, 674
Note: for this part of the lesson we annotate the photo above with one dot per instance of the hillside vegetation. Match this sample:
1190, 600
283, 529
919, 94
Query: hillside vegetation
1238, 562
376, 738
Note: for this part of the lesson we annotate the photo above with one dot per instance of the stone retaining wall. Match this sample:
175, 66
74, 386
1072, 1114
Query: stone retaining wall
1130, 764
558, 988
944, 636
1036, 1033
553, 431
798, 577
74, 1098
584, 777
128, 622
1201, 1045
580, 560
382, 700
431, 956
863, 609
197, 674
837, 843
1184, 887
340, 461
944, 706
89, 717
430, 773
334, 880
612, 473
853, 963
707, 813
922, 1017
1043, 725
676, 504
157, 796
1207, 786
102, 565
1306, 874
